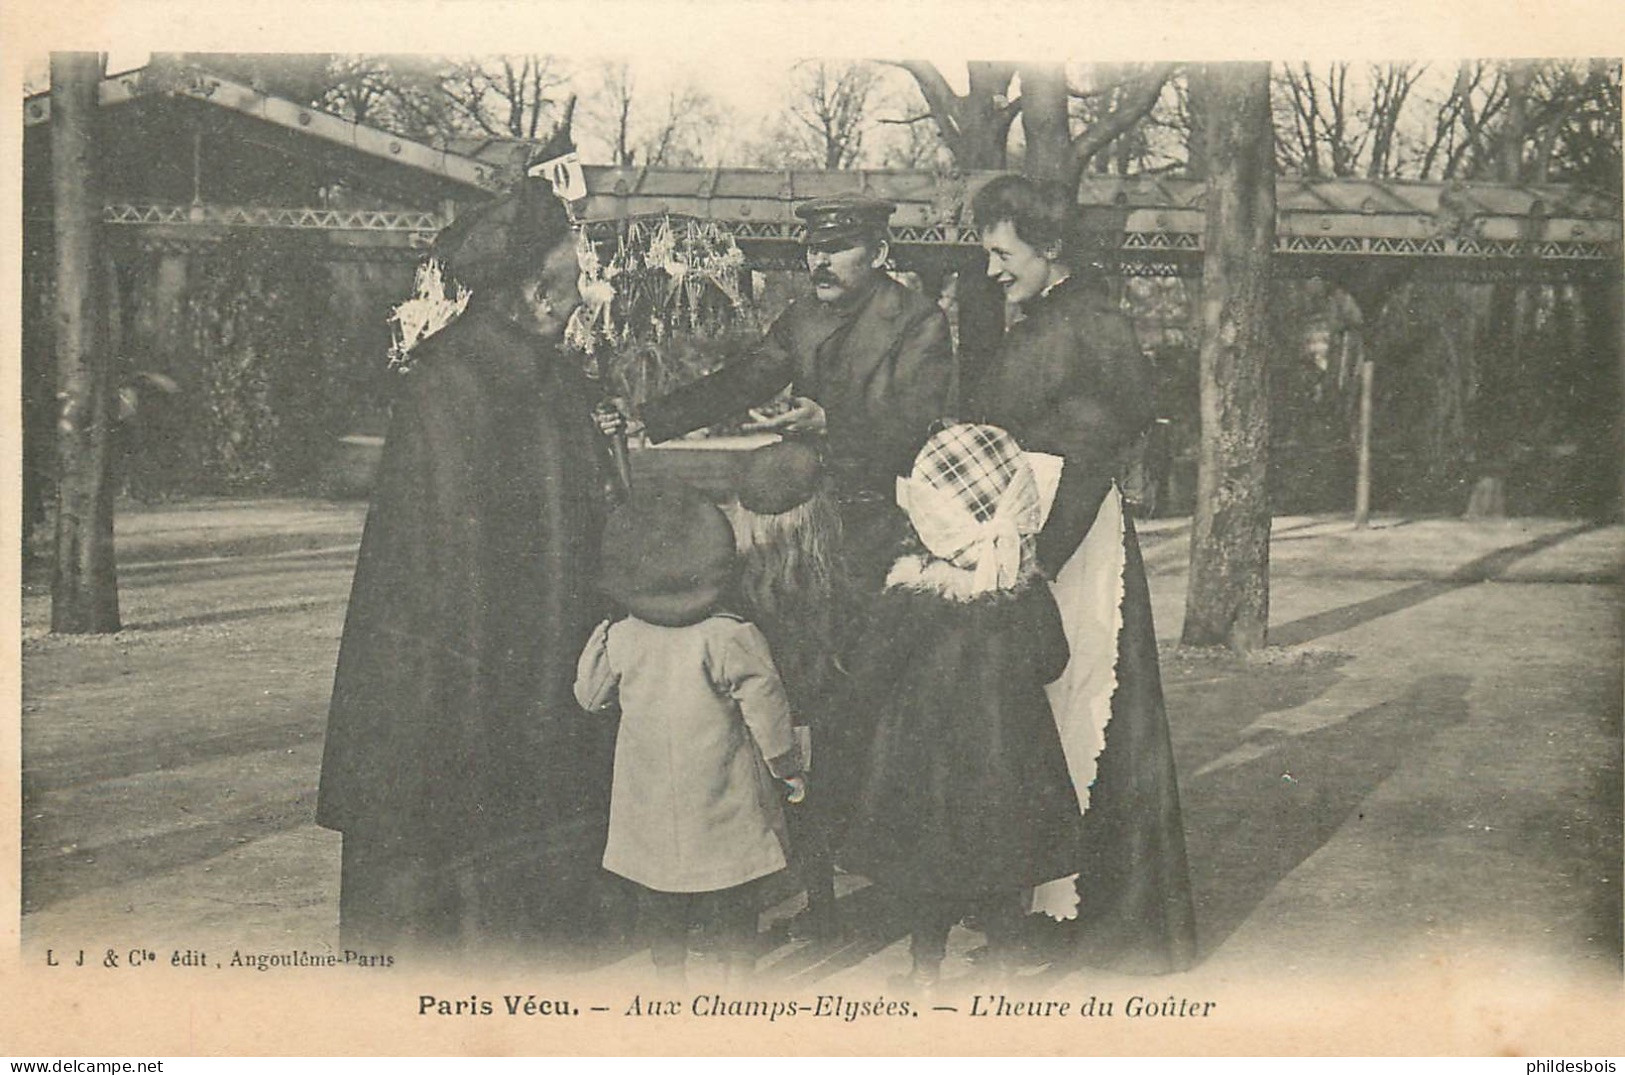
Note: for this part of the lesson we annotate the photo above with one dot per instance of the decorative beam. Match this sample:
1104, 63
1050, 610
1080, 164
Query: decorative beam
269, 216
1154, 244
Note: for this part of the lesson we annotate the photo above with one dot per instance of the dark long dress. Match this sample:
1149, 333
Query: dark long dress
960, 787
471, 791
1069, 379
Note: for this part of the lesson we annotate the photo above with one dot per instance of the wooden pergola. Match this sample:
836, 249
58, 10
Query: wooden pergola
1154, 225
1367, 236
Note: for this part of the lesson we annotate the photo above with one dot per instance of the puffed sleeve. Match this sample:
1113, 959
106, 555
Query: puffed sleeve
597, 682
742, 667
1107, 404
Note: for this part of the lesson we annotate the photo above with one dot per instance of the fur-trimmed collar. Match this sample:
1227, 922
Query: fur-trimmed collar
929, 575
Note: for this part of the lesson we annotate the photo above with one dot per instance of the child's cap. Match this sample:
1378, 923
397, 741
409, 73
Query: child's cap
974, 501
780, 477
668, 555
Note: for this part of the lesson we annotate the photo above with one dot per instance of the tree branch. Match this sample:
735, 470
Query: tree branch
939, 96
1136, 103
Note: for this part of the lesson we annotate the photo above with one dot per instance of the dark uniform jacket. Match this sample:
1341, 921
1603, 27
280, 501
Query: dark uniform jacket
471, 790
880, 365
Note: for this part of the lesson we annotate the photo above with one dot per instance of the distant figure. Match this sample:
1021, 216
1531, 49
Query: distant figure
695, 814
471, 790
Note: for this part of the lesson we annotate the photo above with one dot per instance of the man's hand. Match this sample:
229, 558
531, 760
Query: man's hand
609, 419
803, 416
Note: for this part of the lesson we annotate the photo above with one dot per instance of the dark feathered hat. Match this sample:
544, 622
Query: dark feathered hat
668, 555
508, 237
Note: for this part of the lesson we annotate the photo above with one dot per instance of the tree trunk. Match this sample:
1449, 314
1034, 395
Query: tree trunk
1228, 600
1498, 414
1515, 127
980, 303
84, 587
1044, 120
1603, 305
976, 126
1196, 140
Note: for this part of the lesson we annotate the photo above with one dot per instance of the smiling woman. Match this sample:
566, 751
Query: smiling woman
1069, 380
1029, 232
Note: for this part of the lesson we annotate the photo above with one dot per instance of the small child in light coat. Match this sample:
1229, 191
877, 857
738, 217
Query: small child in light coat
705, 747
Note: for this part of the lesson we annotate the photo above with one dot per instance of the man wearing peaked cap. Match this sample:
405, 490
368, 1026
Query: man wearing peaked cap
840, 220
869, 363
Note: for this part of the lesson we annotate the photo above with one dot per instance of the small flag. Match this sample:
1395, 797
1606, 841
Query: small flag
569, 184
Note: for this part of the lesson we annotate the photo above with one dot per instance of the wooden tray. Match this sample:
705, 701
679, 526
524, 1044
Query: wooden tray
710, 464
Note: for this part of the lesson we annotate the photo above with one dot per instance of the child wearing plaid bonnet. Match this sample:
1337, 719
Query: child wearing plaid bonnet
962, 799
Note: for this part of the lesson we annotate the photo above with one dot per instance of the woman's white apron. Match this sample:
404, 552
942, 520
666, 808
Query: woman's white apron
1089, 592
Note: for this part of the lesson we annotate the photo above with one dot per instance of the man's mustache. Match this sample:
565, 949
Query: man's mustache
820, 276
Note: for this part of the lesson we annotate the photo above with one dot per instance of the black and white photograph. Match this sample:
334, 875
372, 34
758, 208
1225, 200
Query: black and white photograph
891, 529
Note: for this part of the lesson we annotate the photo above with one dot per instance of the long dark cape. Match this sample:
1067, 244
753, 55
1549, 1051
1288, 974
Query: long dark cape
471, 790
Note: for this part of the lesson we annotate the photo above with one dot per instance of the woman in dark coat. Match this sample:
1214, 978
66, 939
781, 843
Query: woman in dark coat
471, 791
1069, 379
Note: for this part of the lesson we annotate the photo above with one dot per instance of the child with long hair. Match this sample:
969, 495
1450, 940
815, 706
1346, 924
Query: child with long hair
787, 527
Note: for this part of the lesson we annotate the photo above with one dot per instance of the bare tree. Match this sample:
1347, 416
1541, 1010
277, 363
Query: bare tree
1390, 91
1228, 600
677, 137
1341, 121
1151, 142
1054, 149
612, 112
403, 94
830, 102
506, 96
976, 125
84, 586
638, 127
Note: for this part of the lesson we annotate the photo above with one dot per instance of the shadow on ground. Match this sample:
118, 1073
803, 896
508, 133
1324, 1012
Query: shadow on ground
1250, 823
1334, 621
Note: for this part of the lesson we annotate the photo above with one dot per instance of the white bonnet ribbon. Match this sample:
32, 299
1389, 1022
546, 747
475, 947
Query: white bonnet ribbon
1047, 474
991, 549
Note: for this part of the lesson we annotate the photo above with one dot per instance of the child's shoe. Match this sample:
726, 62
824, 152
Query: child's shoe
922, 981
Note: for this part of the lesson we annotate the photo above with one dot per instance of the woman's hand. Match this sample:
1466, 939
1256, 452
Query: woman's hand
802, 415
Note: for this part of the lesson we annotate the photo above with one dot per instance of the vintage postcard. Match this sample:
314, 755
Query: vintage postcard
738, 528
